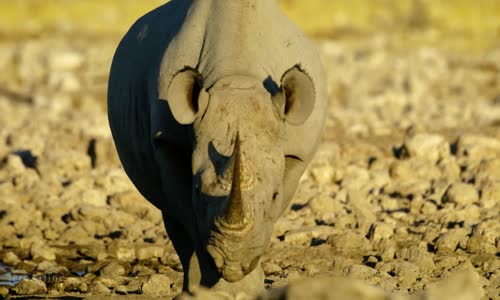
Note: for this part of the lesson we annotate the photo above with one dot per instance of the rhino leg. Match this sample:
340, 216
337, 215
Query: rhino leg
198, 266
182, 245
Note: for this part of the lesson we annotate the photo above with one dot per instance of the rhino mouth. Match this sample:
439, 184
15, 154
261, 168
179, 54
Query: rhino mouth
232, 269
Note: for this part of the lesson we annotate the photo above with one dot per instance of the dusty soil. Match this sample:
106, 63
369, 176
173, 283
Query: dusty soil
403, 193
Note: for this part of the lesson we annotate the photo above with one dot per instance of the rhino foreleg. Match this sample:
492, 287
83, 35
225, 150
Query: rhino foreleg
183, 246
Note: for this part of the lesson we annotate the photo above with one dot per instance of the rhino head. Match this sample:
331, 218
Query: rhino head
239, 160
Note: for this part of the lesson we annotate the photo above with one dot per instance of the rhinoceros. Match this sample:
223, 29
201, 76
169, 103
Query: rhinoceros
216, 108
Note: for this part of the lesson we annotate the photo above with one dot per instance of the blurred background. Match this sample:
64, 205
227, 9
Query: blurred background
477, 21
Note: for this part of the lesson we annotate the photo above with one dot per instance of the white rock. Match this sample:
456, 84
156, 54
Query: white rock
157, 285
380, 231
65, 60
122, 251
39, 250
461, 194
323, 174
474, 148
449, 241
30, 287
144, 252
490, 195
11, 259
113, 269
429, 146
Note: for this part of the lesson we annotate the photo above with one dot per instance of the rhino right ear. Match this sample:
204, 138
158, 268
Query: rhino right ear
184, 96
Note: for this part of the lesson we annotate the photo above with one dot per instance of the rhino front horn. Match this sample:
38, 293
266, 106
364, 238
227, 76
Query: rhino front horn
185, 96
235, 216
297, 96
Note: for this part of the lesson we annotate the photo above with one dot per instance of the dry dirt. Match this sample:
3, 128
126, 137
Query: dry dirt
401, 202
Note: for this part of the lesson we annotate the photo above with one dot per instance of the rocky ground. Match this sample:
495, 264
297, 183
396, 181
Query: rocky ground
401, 202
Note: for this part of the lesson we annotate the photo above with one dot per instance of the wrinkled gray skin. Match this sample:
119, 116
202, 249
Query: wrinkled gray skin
216, 108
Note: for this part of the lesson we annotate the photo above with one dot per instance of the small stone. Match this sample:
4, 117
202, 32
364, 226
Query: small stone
113, 269
484, 238
387, 253
493, 288
99, 288
75, 234
323, 174
157, 285
111, 281
4, 291
65, 60
380, 231
490, 195
418, 256
304, 235
355, 178
271, 268
390, 203
408, 188
11, 259
39, 250
349, 243
91, 213
449, 168
131, 202
461, 194
429, 146
140, 270
474, 148
30, 287
144, 252
172, 260
449, 241
414, 168
322, 204
122, 251
64, 82
407, 272
51, 267
95, 197
359, 272
74, 284
488, 170
428, 208
134, 285
121, 289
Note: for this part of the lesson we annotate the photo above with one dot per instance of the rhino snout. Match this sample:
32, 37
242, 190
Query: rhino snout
231, 270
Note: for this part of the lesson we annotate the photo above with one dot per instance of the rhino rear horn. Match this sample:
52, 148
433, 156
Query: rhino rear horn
185, 96
297, 96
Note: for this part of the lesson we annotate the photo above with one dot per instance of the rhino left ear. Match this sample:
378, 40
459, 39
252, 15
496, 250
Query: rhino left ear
297, 95
183, 95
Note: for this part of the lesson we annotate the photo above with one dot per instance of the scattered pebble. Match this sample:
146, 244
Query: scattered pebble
157, 285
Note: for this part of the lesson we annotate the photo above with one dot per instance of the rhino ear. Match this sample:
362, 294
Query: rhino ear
183, 95
297, 95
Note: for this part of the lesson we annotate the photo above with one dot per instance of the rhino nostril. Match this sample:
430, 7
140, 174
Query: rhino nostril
247, 268
275, 195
